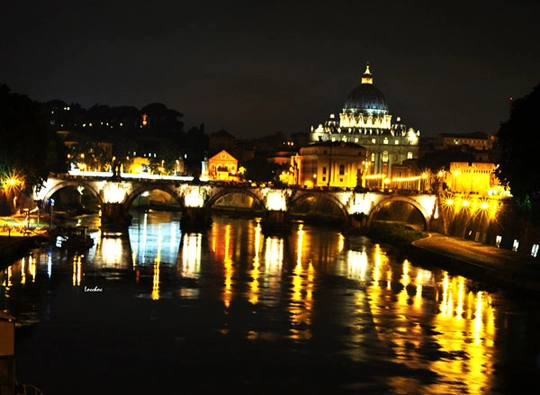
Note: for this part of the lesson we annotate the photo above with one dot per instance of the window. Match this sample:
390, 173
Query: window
341, 170
409, 155
324, 170
385, 156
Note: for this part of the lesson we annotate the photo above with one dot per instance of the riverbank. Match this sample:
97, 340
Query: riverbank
492, 268
16, 245
516, 272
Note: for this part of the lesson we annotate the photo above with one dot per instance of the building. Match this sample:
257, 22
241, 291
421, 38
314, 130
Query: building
221, 140
329, 164
223, 167
365, 120
475, 177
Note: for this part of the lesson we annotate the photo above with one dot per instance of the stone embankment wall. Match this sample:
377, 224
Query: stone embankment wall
502, 228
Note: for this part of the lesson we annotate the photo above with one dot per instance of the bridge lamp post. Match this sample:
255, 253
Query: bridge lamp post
314, 180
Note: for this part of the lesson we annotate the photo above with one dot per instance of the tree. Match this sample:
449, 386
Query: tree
30, 148
518, 140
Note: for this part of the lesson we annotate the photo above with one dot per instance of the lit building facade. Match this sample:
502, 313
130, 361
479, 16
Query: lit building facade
366, 120
329, 164
223, 167
476, 177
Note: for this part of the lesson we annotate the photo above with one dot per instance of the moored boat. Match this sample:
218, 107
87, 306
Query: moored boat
75, 237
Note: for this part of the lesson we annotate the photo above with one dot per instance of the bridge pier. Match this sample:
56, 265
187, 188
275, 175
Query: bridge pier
355, 223
276, 222
195, 219
114, 216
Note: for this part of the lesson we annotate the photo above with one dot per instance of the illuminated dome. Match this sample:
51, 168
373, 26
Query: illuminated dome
366, 98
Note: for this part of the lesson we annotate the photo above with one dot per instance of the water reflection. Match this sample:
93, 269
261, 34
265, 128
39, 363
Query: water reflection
426, 331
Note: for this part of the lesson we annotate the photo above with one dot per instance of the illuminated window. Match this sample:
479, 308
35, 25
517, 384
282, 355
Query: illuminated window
409, 155
373, 141
385, 141
534, 251
385, 156
515, 246
397, 142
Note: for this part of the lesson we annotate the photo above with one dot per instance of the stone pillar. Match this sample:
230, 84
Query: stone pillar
276, 222
355, 223
195, 219
114, 216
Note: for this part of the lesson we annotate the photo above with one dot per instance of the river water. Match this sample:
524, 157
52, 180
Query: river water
157, 311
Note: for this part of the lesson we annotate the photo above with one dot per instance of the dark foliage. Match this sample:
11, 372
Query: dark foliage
518, 140
30, 148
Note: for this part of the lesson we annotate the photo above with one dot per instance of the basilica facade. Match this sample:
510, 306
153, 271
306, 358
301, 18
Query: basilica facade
365, 120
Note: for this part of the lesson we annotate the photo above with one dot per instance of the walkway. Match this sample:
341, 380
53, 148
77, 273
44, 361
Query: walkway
515, 271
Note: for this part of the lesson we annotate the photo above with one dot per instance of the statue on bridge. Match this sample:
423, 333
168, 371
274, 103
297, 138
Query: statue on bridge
116, 170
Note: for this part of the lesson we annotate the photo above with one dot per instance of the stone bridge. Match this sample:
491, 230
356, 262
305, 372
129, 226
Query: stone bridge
116, 195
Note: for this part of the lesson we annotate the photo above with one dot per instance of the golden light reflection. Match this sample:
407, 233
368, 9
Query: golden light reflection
191, 255
157, 264
23, 271
303, 283
255, 272
462, 315
111, 251
341, 242
405, 279
77, 270
273, 262
9, 277
227, 267
155, 281
273, 255
473, 316
357, 264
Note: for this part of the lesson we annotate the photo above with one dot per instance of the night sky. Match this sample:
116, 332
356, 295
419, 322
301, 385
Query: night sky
258, 67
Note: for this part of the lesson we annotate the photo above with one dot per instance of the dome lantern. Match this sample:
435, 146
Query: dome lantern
366, 98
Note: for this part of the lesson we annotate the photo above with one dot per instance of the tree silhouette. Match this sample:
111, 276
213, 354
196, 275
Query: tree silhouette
518, 140
30, 147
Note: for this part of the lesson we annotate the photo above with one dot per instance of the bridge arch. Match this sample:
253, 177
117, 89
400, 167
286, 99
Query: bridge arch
69, 184
299, 198
227, 191
425, 216
147, 187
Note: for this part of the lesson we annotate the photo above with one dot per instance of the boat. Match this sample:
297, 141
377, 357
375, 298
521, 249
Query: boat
75, 237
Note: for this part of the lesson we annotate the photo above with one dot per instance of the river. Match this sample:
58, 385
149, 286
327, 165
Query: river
157, 311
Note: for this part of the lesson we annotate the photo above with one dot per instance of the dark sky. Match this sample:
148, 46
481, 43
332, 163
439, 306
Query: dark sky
261, 66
